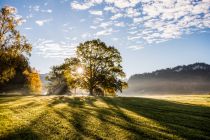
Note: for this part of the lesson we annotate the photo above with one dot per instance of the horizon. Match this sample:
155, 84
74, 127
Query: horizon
148, 38
156, 69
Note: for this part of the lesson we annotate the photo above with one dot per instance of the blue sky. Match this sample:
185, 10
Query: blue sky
150, 34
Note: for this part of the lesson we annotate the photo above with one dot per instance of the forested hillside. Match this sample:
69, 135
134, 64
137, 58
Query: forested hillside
187, 78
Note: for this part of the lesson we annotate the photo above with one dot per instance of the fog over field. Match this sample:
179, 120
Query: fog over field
181, 80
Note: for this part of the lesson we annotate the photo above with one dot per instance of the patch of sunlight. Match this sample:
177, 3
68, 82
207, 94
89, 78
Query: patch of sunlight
18, 118
60, 105
202, 100
149, 125
101, 103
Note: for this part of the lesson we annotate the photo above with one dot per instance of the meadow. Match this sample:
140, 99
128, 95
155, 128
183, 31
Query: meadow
63, 117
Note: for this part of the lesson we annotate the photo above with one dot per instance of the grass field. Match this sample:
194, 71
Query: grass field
62, 117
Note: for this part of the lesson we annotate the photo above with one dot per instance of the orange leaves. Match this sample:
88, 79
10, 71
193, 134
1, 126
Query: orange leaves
33, 81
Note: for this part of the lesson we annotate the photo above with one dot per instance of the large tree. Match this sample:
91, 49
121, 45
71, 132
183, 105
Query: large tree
103, 72
14, 48
15, 72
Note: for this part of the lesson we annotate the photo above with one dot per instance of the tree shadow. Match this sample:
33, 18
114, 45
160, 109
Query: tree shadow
103, 114
77, 114
179, 120
73, 101
9, 98
23, 134
187, 121
183, 120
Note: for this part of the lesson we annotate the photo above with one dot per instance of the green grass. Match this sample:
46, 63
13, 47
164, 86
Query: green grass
59, 117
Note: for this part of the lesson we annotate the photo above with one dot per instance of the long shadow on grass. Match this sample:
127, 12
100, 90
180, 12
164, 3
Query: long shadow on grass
183, 120
73, 102
9, 98
186, 121
80, 114
24, 132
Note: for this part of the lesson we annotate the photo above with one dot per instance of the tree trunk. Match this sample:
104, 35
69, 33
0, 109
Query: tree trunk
91, 91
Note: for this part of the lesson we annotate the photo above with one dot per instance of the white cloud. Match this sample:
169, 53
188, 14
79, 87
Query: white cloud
111, 9
78, 6
131, 12
98, 20
52, 49
86, 35
47, 11
28, 28
85, 5
152, 21
116, 16
96, 12
135, 47
122, 3
42, 22
104, 32
93, 27
120, 24
106, 24
134, 37
137, 20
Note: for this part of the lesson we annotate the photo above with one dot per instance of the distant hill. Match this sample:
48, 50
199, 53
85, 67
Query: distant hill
194, 78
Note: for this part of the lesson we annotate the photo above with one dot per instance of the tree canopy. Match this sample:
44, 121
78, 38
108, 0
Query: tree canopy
63, 78
102, 65
96, 68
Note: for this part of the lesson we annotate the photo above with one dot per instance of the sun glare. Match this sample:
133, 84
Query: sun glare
80, 70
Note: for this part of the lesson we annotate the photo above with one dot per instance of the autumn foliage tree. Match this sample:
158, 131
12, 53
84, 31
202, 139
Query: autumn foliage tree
34, 83
13, 46
14, 49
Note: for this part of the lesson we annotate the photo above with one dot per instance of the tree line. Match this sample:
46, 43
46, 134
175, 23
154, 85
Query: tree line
96, 67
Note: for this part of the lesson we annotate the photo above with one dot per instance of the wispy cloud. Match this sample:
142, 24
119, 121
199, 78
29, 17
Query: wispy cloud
52, 49
152, 21
85, 5
96, 12
105, 32
120, 24
28, 28
42, 22
116, 16
37, 8
47, 11
135, 47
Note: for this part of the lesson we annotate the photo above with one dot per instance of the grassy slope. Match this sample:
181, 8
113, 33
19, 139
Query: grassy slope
57, 117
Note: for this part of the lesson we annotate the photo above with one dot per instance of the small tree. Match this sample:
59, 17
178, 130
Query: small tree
34, 83
64, 78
